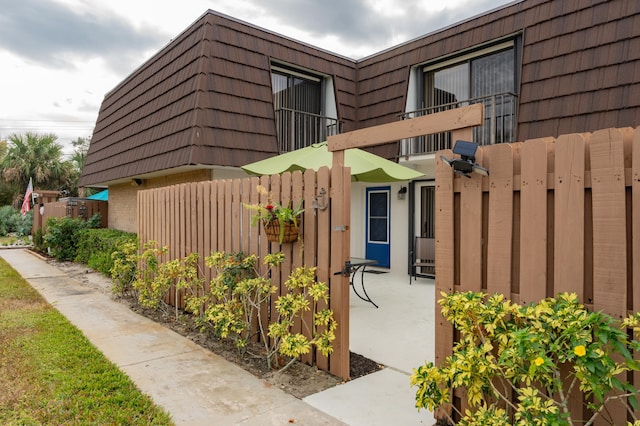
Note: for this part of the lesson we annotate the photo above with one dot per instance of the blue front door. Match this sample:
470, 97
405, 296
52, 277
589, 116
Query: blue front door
378, 222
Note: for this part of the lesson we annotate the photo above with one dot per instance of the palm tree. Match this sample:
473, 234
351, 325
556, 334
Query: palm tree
32, 155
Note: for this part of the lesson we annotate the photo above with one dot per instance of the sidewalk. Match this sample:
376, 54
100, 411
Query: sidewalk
196, 386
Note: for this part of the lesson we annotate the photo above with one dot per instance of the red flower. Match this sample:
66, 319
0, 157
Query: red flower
269, 207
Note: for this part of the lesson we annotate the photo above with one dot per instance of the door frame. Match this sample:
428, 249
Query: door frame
414, 227
381, 252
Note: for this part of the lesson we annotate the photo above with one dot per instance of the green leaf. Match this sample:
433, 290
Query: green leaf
633, 402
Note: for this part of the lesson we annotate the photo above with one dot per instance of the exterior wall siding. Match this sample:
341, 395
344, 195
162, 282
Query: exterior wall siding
580, 65
123, 214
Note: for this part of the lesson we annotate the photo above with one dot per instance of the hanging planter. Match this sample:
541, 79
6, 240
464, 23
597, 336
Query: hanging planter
280, 222
280, 232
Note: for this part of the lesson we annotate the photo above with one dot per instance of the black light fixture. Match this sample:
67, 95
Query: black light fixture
402, 193
136, 182
467, 161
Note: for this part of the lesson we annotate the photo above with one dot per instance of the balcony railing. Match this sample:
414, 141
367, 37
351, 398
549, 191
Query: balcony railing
499, 124
297, 129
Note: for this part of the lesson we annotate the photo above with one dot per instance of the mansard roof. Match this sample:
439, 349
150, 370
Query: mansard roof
205, 99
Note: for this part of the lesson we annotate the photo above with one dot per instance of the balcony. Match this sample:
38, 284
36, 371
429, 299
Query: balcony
297, 129
499, 125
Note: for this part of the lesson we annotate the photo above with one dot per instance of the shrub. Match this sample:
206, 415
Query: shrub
62, 235
540, 354
125, 267
96, 246
38, 240
238, 293
12, 221
234, 300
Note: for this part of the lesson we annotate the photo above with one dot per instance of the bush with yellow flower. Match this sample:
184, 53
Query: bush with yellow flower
522, 364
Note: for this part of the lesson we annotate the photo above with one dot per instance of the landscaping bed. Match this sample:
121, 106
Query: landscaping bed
299, 380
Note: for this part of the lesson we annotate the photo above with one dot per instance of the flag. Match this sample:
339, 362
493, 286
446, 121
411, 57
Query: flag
26, 203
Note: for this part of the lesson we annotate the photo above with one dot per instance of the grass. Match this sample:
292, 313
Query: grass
51, 374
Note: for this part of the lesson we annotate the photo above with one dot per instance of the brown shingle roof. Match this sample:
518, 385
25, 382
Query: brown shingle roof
205, 99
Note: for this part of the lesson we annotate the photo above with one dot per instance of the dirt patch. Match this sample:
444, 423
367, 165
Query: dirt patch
299, 380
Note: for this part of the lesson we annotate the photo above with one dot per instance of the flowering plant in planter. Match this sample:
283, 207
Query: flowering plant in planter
276, 218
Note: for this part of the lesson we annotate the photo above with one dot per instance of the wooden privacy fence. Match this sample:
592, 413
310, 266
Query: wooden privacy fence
209, 216
71, 207
554, 215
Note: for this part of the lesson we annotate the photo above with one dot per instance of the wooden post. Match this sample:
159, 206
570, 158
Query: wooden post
340, 252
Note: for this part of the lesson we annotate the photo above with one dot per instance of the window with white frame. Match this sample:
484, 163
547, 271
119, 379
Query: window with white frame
485, 76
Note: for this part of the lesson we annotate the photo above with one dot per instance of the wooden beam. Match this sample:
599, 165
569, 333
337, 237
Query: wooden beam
439, 122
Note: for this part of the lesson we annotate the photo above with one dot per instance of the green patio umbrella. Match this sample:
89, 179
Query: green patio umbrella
365, 167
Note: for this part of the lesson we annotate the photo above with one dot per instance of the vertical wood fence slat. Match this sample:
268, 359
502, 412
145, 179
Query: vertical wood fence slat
323, 251
195, 209
235, 205
471, 230
176, 230
220, 234
253, 198
444, 253
309, 235
228, 216
196, 214
285, 269
500, 219
245, 215
569, 214
206, 231
182, 234
199, 188
609, 218
276, 277
296, 254
533, 223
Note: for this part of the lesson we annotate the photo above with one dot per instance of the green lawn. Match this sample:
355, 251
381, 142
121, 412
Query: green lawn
51, 374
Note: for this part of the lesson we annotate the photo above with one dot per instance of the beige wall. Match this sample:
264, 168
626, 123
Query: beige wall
122, 198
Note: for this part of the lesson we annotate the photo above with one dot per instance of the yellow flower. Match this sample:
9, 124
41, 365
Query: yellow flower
580, 350
538, 361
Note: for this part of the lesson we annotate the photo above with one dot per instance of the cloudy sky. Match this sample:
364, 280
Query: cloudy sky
60, 57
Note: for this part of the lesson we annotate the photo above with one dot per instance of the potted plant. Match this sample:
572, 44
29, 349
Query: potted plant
280, 223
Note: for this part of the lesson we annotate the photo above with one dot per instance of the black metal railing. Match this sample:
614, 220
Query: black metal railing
297, 129
499, 124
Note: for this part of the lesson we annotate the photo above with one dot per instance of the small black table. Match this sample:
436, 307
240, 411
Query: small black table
354, 265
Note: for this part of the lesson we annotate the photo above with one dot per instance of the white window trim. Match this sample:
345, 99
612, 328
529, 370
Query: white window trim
435, 65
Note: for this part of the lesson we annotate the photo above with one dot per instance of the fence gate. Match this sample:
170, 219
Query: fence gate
554, 215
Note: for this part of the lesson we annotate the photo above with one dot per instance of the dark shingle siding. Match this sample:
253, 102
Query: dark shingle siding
580, 72
204, 99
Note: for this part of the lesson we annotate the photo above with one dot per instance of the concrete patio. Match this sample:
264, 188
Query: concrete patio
399, 335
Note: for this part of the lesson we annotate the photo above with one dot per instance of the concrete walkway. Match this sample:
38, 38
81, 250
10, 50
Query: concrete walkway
196, 386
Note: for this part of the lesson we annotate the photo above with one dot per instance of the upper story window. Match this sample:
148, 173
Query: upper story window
487, 75
304, 107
